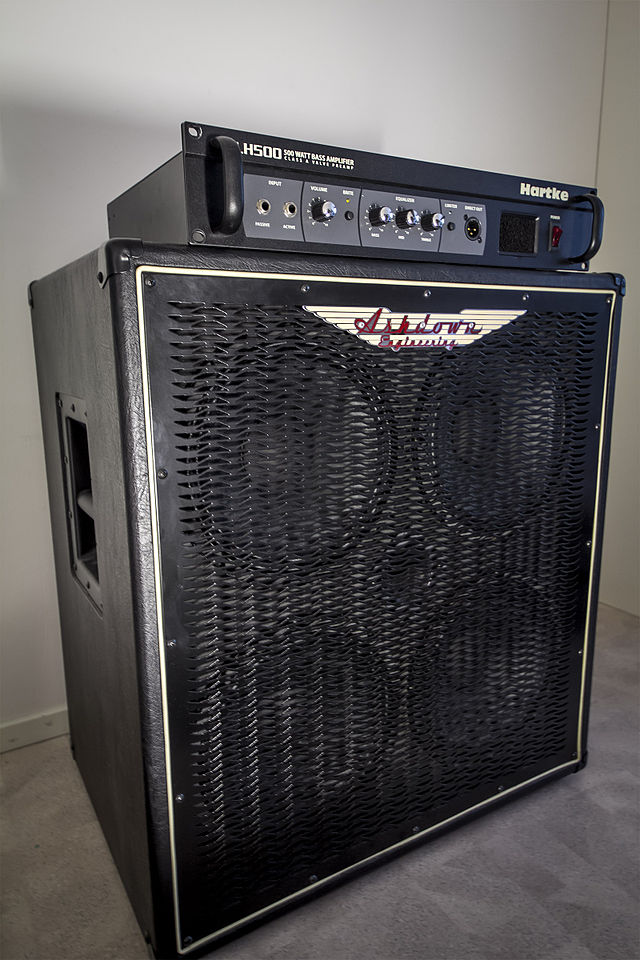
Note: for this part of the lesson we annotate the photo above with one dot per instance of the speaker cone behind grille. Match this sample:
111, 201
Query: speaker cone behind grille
486, 670
294, 453
489, 440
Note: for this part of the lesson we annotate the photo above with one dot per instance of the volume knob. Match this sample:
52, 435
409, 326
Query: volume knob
432, 221
407, 218
380, 215
323, 211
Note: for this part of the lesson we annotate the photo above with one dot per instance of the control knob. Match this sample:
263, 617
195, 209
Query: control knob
323, 211
432, 221
378, 216
407, 218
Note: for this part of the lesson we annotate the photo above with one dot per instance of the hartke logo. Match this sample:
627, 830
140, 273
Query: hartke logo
547, 193
396, 331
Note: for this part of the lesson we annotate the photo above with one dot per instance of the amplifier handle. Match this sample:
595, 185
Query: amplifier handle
227, 151
596, 229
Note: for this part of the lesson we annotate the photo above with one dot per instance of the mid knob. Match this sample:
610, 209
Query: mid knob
323, 211
407, 218
432, 221
378, 216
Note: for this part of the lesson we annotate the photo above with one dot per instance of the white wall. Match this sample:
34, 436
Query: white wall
92, 99
618, 167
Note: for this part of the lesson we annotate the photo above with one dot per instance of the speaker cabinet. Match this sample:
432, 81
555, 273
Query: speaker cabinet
327, 537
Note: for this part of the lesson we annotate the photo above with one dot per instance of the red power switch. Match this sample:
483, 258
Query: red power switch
556, 233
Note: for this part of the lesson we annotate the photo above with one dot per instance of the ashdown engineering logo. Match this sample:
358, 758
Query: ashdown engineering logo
396, 331
547, 193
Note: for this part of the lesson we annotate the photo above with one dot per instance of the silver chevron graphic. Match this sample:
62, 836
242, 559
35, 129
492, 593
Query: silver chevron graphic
382, 327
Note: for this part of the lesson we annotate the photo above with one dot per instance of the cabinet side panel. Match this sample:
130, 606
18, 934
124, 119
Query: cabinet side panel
74, 346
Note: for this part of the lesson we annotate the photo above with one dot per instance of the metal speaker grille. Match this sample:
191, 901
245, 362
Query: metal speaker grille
374, 563
501, 449
278, 420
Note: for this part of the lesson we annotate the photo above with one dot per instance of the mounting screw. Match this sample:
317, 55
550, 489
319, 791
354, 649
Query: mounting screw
59, 402
427, 293
579, 653
172, 642
198, 236
313, 878
525, 296
574, 756
179, 797
150, 282
305, 288
609, 300
415, 830
66, 459
162, 474
500, 789
69, 514
597, 427
187, 940
588, 543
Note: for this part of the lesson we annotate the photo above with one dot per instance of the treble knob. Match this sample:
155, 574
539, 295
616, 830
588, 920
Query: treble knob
378, 216
407, 218
323, 211
432, 221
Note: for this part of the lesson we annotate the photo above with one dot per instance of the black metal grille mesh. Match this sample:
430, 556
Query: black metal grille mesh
378, 570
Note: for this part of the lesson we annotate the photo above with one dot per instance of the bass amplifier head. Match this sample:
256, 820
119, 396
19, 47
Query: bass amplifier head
229, 188
357, 527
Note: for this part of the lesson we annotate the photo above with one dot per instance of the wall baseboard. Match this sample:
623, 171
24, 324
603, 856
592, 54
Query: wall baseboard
20, 733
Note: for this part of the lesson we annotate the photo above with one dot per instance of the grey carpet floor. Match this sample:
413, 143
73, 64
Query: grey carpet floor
550, 876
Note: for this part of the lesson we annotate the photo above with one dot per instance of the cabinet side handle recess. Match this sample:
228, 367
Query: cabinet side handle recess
78, 488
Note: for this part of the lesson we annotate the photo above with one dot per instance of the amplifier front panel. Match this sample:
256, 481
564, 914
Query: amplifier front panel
375, 536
